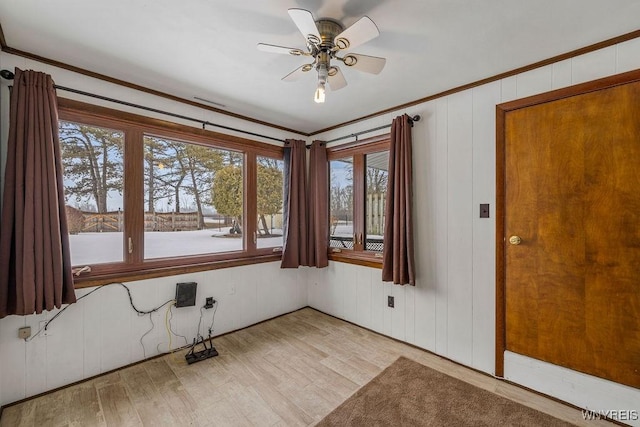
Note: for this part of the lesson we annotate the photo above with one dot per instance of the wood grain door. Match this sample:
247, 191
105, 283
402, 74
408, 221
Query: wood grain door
572, 197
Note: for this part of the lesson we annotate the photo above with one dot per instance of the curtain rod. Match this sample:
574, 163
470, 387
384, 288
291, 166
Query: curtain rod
412, 120
8, 75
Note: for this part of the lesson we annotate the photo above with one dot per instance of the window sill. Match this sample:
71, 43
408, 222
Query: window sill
357, 258
150, 271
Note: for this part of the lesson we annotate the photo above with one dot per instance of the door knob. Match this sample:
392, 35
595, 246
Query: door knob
515, 240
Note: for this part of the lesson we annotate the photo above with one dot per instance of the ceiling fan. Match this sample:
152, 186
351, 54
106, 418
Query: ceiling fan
325, 39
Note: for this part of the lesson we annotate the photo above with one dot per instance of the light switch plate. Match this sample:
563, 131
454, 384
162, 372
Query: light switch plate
484, 210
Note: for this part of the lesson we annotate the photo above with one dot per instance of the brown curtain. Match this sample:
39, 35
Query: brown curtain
35, 267
398, 260
318, 239
295, 248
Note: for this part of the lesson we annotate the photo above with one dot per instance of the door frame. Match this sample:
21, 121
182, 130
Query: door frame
501, 111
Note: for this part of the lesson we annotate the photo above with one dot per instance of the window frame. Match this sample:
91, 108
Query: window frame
135, 127
358, 151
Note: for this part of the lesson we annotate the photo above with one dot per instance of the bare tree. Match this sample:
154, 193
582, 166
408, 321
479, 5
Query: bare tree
92, 160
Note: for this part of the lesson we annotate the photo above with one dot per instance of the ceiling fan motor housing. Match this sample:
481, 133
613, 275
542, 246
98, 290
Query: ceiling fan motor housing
328, 29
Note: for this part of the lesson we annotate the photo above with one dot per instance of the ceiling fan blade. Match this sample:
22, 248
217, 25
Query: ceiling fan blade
336, 79
271, 48
306, 24
366, 63
295, 74
361, 32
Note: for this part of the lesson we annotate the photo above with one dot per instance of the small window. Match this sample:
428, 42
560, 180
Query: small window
358, 176
269, 201
92, 159
341, 203
377, 175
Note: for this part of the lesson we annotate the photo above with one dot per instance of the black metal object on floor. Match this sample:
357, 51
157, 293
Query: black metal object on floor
194, 356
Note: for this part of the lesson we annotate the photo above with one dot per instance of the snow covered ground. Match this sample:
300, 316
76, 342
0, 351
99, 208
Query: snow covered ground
98, 248
95, 248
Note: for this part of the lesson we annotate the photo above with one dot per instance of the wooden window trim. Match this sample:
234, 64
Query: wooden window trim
358, 151
135, 127
73, 110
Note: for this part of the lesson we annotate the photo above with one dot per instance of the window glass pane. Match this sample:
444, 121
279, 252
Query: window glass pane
193, 199
92, 158
269, 193
376, 186
341, 203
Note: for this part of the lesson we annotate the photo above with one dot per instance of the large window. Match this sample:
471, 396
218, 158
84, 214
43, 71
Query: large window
145, 197
358, 176
193, 199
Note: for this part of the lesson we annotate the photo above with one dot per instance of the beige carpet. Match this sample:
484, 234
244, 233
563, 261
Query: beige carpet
410, 394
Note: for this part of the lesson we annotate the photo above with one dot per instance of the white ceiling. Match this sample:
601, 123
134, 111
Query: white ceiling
207, 48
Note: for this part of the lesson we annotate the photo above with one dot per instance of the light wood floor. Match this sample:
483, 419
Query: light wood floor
292, 370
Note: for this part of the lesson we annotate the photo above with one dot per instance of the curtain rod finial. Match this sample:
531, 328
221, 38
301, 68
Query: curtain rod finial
7, 75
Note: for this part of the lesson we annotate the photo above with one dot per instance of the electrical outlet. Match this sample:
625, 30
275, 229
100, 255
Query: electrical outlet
390, 301
24, 333
209, 302
44, 333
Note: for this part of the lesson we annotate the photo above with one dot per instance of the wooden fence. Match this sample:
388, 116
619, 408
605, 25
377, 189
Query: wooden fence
153, 221
103, 222
171, 221
375, 213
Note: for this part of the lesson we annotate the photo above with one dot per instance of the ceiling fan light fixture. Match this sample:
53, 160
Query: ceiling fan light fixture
318, 97
323, 74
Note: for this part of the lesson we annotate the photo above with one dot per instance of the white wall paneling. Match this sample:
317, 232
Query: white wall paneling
441, 242
421, 301
594, 65
627, 55
484, 191
535, 81
561, 74
363, 297
460, 228
378, 301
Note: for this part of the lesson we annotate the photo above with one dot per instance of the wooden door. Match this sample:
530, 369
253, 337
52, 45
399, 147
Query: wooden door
572, 195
